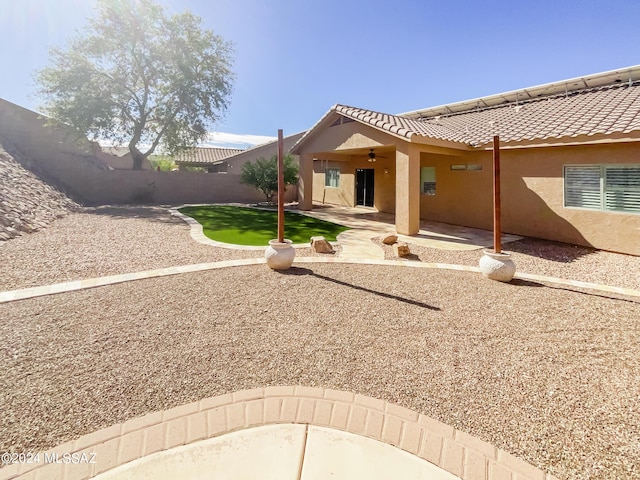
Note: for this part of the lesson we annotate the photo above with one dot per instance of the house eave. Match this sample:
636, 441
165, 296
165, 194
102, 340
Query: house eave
600, 139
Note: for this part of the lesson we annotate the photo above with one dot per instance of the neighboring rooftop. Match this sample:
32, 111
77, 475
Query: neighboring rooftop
206, 155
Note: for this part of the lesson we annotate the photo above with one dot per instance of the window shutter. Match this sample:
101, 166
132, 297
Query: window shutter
582, 187
622, 188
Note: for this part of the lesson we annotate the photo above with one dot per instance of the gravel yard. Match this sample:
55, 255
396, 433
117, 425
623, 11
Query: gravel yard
544, 257
548, 373
106, 241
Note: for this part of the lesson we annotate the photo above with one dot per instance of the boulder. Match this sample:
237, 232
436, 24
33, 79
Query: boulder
320, 245
390, 239
401, 249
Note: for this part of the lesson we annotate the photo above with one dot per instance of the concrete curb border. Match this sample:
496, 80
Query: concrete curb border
32, 292
452, 450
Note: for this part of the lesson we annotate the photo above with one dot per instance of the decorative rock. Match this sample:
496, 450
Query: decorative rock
497, 266
401, 249
27, 204
390, 239
280, 255
320, 245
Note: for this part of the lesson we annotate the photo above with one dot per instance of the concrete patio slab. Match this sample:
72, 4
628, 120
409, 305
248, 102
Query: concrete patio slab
268, 452
284, 433
340, 455
370, 223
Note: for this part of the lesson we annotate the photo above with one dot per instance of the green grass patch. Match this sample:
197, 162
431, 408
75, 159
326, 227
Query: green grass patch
248, 226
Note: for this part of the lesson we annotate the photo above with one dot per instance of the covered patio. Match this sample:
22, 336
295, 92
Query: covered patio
369, 223
358, 158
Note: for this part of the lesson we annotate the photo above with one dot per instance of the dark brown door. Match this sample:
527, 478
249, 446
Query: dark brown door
364, 186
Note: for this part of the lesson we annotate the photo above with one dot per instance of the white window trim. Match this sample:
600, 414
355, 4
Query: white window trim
326, 177
603, 189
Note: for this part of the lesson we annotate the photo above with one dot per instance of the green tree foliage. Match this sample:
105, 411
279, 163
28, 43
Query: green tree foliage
263, 174
140, 77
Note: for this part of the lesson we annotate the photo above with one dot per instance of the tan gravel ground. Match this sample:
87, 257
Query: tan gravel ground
106, 241
549, 374
544, 257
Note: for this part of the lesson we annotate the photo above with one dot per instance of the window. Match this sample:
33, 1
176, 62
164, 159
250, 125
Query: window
603, 187
332, 177
428, 180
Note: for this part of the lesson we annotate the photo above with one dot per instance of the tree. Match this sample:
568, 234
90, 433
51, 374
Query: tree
263, 174
141, 78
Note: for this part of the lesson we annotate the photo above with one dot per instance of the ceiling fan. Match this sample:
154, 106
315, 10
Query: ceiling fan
372, 156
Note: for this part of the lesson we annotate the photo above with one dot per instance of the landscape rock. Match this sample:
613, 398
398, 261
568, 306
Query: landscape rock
390, 239
320, 245
401, 249
27, 204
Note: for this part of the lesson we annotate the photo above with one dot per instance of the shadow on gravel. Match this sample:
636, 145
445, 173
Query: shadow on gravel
305, 271
550, 250
151, 213
528, 283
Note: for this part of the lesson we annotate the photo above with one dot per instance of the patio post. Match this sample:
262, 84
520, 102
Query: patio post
495, 264
497, 227
280, 187
280, 253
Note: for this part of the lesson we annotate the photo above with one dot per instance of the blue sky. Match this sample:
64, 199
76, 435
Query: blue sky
296, 58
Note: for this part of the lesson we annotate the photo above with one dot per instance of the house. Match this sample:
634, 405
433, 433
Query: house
266, 150
230, 160
570, 161
213, 159
119, 158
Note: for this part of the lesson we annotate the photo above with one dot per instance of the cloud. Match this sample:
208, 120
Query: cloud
215, 139
234, 140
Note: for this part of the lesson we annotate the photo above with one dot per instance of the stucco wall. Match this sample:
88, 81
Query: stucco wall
67, 160
535, 178
345, 194
167, 188
532, 195
463, 197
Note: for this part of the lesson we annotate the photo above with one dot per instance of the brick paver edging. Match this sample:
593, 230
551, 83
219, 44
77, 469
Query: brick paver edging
456, 452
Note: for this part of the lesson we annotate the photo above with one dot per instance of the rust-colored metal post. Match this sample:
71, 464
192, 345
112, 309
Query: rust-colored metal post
280, 187
497, 227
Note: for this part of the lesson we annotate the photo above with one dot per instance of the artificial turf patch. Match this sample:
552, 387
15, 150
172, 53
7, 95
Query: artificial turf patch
249, 226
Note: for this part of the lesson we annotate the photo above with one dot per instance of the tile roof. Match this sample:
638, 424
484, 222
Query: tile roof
206, 155
400, 126
604, 110
602, 104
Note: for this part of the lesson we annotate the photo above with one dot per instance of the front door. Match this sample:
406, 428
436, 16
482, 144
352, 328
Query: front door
364, 187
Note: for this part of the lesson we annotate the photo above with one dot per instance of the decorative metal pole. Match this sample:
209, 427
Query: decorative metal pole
497, 227
280, 187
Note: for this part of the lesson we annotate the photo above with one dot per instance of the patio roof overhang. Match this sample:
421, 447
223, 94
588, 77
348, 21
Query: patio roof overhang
392, 127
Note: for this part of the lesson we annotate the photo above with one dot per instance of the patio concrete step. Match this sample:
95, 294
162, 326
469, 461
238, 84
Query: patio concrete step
357, 244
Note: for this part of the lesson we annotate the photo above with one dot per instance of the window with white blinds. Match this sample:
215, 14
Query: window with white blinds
332, 177
603, 187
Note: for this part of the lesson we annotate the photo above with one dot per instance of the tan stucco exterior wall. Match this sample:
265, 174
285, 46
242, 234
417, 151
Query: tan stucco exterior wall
345, 194
463, 197
535, 178
532, 195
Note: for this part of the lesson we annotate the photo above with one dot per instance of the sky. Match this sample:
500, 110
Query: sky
295, 59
